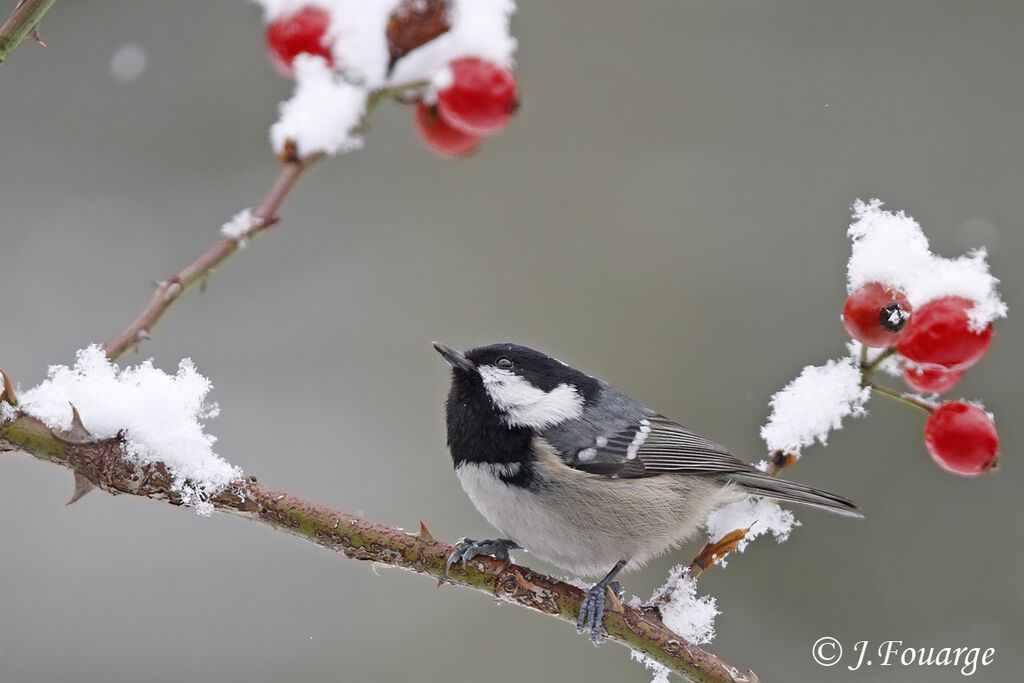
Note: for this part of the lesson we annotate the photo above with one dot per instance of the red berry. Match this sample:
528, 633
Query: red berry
961, 438
294, 34
875, 315
440, 136
940, 336
931, 379
481, 98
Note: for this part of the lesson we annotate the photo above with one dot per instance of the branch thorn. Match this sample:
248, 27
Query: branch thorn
8, 393
616, 604
82, 487
34, 35
77, 433
424, 534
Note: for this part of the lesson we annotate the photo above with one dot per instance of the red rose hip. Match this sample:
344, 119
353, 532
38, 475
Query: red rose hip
961, 438
481, 98
441, 137
931, 379
293, 34
875, 315
939, 335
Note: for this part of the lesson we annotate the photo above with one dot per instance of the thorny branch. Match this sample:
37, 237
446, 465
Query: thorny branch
168, 291
23, 22
101, 464
265, 215
98, 463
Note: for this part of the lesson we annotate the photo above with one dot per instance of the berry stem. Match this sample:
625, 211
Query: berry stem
867, 368
379, 96
910, 400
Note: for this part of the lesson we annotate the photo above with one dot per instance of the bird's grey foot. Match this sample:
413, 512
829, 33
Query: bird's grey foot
592, 607
466, 549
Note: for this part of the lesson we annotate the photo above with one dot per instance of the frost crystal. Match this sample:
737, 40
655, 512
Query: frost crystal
239, 226
890, 248
161, 416
760, 515
659, 672
813, 404
691, 617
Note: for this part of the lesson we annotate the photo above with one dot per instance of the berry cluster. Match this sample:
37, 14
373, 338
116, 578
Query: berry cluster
471, 99
934, 344
480, 100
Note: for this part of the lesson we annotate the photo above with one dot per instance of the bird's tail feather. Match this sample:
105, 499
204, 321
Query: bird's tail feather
762, 484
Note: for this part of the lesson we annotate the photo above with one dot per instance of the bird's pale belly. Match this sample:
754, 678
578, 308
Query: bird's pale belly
585, 523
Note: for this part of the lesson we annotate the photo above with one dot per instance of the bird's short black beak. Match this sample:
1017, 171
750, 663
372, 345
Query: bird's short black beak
457, 359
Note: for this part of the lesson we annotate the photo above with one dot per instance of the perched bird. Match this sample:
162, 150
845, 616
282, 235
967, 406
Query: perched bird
580, 474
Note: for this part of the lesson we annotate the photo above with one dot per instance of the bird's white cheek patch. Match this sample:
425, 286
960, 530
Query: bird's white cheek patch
524, 405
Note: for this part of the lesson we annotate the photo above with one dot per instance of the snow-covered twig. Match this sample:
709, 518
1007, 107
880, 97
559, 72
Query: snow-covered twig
100, 463
235, 235
169, 290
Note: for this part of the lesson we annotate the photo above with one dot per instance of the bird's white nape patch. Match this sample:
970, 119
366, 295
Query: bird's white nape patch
524, 405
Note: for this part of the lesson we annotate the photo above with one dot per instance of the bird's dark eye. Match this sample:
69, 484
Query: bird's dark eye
504, 363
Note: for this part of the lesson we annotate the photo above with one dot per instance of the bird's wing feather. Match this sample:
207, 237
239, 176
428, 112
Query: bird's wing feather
656, 445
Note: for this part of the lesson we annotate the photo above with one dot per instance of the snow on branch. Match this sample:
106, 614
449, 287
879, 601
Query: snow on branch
99, 461
813, 404
159, 417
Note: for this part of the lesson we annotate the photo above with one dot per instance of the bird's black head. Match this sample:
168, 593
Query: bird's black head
524, 387
503, 394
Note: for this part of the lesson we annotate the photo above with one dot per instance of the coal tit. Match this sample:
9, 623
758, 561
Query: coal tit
580, 474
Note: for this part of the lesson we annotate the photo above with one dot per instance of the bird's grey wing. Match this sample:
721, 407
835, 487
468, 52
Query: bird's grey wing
655, 445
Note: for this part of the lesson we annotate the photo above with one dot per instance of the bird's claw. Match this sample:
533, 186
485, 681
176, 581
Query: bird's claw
592, 610
467, 548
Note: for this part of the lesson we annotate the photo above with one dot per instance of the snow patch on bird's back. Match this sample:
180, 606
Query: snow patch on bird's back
524, 405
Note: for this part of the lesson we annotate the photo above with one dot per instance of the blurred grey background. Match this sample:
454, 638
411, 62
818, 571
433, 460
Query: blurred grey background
668, 212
